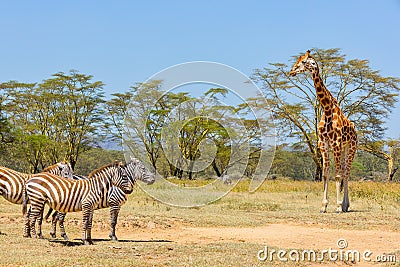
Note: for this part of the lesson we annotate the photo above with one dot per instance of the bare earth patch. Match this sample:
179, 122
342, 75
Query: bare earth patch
274, 235
229, 232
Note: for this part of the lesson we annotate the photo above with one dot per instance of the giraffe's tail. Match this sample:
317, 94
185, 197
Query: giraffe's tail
341, 185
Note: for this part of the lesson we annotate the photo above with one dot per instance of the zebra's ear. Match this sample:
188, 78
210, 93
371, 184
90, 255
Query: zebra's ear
118, 163
134, 160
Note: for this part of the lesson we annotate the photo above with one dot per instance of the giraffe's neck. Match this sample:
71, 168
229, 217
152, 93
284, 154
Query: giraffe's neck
325, 98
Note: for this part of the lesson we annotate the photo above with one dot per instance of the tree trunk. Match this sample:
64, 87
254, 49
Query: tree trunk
179, 173
393, 173
318, 174
319, 162
391, 169
72, 160
153, 163
215, 167
190, 172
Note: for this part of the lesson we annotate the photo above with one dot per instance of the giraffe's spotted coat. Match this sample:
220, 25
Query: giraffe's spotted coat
335, 132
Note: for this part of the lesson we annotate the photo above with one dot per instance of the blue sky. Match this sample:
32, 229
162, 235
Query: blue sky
124, 42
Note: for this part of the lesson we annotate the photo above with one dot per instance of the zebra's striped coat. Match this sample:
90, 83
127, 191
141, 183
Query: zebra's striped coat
13, 182
114, 199
12, 185
67, 195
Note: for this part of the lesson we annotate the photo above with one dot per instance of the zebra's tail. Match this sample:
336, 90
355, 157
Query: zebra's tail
24, 201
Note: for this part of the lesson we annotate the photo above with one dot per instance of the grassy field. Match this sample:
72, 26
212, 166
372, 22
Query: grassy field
154, 234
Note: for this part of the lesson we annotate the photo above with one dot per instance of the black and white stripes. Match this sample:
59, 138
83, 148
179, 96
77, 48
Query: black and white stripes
12, 182
66, 195
114, 199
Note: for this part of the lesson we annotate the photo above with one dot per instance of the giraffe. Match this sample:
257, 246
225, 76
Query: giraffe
335, 132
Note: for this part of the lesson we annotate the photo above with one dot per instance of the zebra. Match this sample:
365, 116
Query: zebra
12, 183
67, 195
115, 198
59, 216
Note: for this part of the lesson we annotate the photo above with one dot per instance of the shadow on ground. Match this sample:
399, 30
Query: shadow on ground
78, 242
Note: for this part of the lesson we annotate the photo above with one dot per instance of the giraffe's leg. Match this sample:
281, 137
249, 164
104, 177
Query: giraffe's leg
346, 201
324, 148
351, 152
338, 156
114, 210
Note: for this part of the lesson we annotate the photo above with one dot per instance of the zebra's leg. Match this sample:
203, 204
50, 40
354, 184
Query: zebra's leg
54, 218
34, 214
87, 213
40, 220
89, 232
114, 210
27, 229
61, 219
32, 222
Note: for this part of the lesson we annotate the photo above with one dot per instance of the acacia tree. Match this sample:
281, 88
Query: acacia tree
6, 135
80, 114
386, 150
365, 96
198, 123
56, 119
149, 113
116, 108
22, 108
136, 116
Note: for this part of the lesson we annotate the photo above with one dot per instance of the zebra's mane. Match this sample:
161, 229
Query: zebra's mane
113, 164
54, 166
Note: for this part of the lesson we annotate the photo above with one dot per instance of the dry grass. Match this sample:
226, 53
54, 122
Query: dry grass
374, 206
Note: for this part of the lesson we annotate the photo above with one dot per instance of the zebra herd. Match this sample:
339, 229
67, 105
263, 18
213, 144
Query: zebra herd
64, 192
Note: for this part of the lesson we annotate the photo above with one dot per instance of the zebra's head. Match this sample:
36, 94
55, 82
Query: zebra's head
65, 169
62, 169
123, 180
135, 169
116, 174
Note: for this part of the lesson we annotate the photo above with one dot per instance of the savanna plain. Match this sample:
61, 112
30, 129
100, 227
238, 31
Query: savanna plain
281, 215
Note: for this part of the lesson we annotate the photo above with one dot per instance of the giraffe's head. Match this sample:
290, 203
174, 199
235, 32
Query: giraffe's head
303, 64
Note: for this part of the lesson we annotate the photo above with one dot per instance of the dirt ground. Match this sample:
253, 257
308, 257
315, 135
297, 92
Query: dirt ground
231, 232
277, 236
273, 235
